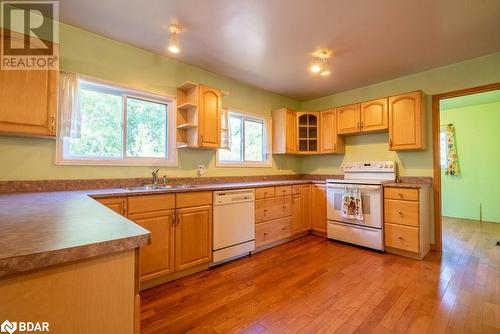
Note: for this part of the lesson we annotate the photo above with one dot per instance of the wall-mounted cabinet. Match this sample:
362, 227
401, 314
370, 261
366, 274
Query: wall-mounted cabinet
198, 116
407, 128
330, 141
363, 117
284, 131
308, 132
28, 102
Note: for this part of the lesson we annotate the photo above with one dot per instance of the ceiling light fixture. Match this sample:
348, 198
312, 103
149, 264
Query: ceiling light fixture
173, 44
320, 62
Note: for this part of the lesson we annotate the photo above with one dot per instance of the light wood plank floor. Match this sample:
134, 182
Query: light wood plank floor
313, 285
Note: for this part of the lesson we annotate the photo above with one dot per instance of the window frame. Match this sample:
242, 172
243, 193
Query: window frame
441, 157
62, 157
267, 151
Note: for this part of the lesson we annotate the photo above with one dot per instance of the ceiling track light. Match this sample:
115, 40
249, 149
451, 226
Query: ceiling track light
173, 43
320, 62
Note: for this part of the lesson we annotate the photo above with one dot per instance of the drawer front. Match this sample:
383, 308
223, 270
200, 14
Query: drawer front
265, 192
405, 194
273, 208
273, 230
296, 189
196, 198
283, 190
401, 212
148, 203
401, 237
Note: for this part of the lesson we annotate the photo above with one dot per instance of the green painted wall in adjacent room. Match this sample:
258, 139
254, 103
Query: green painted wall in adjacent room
471, 73
478, 145
100, 57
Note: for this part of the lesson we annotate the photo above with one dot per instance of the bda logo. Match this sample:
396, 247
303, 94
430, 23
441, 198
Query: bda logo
8, 326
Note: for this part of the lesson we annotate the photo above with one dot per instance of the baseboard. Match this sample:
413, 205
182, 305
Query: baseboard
280, 242
173, 276
415, 256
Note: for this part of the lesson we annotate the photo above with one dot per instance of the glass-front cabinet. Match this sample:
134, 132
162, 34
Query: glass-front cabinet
308, 132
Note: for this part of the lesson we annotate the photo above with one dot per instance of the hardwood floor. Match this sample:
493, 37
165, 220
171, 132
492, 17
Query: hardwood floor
313, 285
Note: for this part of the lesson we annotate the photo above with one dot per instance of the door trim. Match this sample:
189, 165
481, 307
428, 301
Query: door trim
438, 244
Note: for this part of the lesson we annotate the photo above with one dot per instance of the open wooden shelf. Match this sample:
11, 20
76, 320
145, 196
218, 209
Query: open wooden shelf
187, 106
188, 85
187, 126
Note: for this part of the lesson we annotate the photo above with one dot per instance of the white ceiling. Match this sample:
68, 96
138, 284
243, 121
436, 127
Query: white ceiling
267, 43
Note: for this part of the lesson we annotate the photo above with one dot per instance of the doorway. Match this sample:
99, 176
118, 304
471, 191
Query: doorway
450, 173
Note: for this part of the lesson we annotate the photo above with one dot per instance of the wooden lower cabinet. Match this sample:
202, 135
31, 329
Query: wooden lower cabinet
305, 207
407, 221
117, 204
272, 231
296, 225
193, 237
318, 211
157, 258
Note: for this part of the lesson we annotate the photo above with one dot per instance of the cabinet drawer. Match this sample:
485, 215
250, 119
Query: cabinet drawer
264, 192
283, 190
148, 203
273, 230
197, 198
273, 208
296, 189
401, 212
401, 193
402, 237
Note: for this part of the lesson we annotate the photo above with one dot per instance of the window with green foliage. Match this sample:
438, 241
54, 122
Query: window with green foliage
120, 126
248, 144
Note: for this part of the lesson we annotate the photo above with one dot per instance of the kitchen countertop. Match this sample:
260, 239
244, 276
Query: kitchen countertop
48, 228
407, 185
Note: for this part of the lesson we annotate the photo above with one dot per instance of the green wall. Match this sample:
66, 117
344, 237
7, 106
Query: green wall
94, 55
475, 72
100, 57
478, 142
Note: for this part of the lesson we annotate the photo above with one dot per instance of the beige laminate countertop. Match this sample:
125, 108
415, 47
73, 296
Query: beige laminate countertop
43, 229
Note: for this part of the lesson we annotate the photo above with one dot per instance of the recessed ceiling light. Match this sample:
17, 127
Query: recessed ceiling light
173, 43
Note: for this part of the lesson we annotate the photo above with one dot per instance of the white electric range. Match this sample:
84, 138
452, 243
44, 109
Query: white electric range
368, 177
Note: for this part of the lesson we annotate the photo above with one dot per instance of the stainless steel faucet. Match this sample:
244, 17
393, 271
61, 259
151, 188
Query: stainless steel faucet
155, 176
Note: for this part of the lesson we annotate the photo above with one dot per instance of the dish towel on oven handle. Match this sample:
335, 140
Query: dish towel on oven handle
352, 206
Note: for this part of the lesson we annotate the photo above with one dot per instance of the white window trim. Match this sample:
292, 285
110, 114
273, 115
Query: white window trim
172, 159
446, 150
267, 140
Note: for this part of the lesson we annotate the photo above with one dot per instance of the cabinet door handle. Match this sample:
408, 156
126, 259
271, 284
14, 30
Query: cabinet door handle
357, 126
178, 220
52, 123
173, 219
400, 213
284, 207
360, 125
390, 142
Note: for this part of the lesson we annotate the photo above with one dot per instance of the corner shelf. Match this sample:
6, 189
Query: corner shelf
187, 106
187, 126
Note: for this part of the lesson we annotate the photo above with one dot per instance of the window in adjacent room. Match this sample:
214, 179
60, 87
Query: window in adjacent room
248, 142
444, 148
116, 126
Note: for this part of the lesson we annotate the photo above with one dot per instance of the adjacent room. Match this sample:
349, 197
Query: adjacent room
249, 166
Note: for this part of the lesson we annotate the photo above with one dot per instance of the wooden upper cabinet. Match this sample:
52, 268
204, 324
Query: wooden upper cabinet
374, 115
28, 102
209, 108
330, 142
308, 128
407, 122
193, 237
348, 119
284, 133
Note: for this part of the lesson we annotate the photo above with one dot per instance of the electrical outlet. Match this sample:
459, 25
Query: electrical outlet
202, 169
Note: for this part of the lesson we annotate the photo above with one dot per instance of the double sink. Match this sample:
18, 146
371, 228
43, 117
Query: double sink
147, 187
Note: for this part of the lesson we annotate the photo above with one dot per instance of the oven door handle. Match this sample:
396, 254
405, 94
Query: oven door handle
360, 187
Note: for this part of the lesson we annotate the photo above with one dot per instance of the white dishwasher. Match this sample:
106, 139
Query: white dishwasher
234, 224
